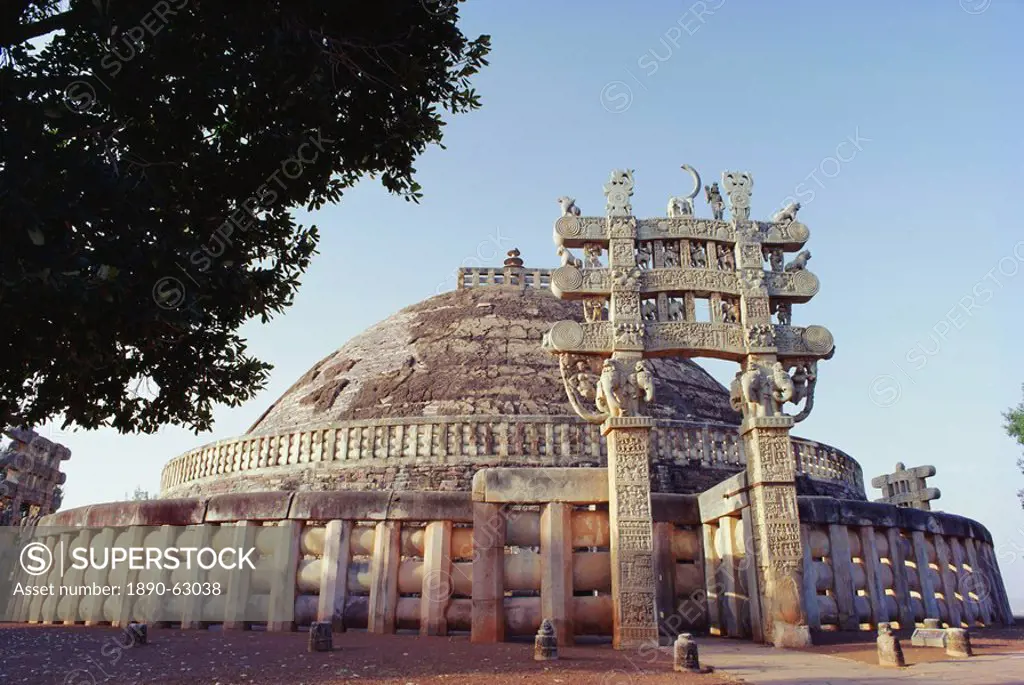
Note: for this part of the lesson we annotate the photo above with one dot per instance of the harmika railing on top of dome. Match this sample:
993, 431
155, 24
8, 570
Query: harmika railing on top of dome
560, 439
532, 278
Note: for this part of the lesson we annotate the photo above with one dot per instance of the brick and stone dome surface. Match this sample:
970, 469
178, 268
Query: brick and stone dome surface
472, 351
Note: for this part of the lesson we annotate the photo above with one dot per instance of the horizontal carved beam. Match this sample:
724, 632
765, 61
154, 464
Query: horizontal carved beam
576, 231
692, 338
570, 283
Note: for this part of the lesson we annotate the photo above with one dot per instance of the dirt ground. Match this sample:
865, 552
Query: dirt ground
76, 655
861, 646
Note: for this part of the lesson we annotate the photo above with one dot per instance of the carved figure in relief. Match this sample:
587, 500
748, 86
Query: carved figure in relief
626, 278
568, 205
776, 257
568, 259
629, 333
752, 279
799, 262
576, 372
805, 376
784, 310
698, 256
730, 312
592, 255
787, 214
593, 310
671, 254
643, 256
714, 198
675, 310
760, 336
726, 258
583, 384
649, 311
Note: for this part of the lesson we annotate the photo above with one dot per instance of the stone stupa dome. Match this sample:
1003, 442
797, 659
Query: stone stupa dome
472, 351
459, 382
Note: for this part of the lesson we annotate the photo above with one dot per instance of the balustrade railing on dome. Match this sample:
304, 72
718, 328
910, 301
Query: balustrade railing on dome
553, 440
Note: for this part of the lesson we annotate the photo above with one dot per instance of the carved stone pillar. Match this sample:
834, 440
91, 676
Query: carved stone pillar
775, 521
632, 539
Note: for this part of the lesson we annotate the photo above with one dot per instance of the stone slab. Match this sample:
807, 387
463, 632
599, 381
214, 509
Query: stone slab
382, 505
929, 637
249, 506
541, 485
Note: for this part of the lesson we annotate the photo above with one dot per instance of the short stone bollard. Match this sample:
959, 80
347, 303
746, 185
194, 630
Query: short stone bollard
138, 633
684, 654
958, 643
320, 638
889, 651
545, 645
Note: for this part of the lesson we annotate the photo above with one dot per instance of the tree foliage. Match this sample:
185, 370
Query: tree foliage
1015, 429
150, 154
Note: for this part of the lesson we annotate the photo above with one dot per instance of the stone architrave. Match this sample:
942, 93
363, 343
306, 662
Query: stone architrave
722, 263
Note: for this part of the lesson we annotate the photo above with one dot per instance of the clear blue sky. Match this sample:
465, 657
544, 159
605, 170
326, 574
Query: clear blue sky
920, 214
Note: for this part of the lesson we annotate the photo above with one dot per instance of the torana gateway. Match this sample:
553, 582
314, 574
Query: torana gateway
539, 445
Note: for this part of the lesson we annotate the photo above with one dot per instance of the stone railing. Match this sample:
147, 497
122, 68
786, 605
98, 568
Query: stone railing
867, 563
533, 543
527, 278
543, 440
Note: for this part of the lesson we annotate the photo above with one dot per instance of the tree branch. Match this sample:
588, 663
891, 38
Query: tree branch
15, 34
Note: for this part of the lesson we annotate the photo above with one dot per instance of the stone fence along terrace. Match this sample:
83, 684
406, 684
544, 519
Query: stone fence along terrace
532, 543
386, 453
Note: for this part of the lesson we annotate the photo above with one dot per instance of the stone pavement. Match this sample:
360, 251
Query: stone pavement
759, 664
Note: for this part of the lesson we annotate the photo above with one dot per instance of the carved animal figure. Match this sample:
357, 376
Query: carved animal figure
644, 381
643, 256
799, 262
675, 310
698, 256
782, 390
569, 207
671, 254
787, 214
757, 392
568, 259
680, 206
728, 312
608, 387
649, 311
